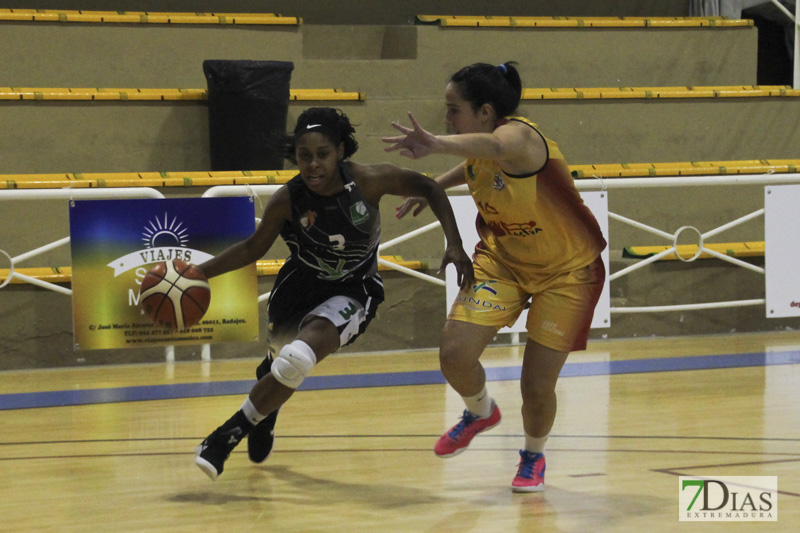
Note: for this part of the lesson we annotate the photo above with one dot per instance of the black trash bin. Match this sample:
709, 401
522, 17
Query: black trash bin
248, 102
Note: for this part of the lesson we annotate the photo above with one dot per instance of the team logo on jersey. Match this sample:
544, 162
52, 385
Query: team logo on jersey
308, 219
479, 301
498, 184
484, 286
359, 213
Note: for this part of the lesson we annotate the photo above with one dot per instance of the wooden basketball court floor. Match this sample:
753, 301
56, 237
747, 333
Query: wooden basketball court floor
112, 448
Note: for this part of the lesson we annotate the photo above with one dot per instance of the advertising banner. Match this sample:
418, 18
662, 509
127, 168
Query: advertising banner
115, 242
782, 255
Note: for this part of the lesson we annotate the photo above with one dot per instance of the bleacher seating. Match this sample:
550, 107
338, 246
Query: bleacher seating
462, 21
731, 249
624, 97
276, 177
617, 93
151, 94
142, 17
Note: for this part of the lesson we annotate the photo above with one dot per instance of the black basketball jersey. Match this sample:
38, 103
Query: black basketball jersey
335, 236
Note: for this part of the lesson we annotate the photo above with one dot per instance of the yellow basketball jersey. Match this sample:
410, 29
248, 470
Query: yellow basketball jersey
536, 221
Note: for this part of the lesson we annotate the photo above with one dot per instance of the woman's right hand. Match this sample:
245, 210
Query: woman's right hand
415, 142
415, 203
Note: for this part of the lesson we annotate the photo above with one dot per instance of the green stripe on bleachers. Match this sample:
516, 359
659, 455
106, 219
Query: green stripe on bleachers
276, 177
119, 94
582, 22
146, 17
615, 93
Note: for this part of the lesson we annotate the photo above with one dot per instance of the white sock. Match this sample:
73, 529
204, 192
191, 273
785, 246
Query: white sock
250, 411
480, 404
535, 444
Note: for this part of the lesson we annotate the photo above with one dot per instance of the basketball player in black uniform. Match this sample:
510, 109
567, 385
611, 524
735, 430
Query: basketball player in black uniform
328, 290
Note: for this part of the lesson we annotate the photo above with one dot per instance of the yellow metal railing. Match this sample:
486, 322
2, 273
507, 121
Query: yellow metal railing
145, 17
583, 22
124, 94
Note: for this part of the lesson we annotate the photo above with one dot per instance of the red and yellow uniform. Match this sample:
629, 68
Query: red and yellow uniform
538, 241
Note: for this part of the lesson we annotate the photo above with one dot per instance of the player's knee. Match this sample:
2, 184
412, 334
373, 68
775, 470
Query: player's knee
294, 364
454, 360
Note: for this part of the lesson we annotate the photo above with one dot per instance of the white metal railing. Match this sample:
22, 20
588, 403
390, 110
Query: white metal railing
601, 184
62, 194
598, 184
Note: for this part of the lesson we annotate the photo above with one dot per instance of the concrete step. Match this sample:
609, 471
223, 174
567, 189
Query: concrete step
396, 61
136, 136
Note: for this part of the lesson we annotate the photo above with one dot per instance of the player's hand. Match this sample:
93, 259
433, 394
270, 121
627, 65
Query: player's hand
415, 141
465, 274
415, 203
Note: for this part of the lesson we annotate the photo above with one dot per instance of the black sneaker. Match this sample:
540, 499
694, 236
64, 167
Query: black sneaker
261, 438
215, 449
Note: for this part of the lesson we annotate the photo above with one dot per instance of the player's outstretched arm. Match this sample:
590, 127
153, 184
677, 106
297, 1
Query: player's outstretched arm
517, 145
377, 180
250, 250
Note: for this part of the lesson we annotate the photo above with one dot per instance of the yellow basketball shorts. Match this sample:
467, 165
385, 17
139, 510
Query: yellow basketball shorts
561, 305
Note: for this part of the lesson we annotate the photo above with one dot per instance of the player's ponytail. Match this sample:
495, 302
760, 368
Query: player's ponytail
483, 83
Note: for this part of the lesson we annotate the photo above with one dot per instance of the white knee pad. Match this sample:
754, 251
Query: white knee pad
294, 364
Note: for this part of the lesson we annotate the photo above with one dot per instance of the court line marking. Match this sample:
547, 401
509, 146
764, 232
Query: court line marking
35, 400
493, 435
427, 449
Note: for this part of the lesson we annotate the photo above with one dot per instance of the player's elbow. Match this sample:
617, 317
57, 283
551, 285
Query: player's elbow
430, 189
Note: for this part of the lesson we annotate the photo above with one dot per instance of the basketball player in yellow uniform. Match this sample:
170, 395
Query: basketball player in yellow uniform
538, 243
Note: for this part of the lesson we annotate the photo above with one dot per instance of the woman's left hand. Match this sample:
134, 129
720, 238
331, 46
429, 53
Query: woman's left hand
455, 254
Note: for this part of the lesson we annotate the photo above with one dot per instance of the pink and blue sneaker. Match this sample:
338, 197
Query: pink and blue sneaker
459, 436
530, 473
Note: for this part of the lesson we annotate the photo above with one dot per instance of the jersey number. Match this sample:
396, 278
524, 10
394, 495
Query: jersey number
337, 241
349, 311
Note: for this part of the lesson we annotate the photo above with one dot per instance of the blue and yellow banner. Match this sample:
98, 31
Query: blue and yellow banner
115, 242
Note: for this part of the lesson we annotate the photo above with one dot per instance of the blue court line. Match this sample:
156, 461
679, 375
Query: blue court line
31, 400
